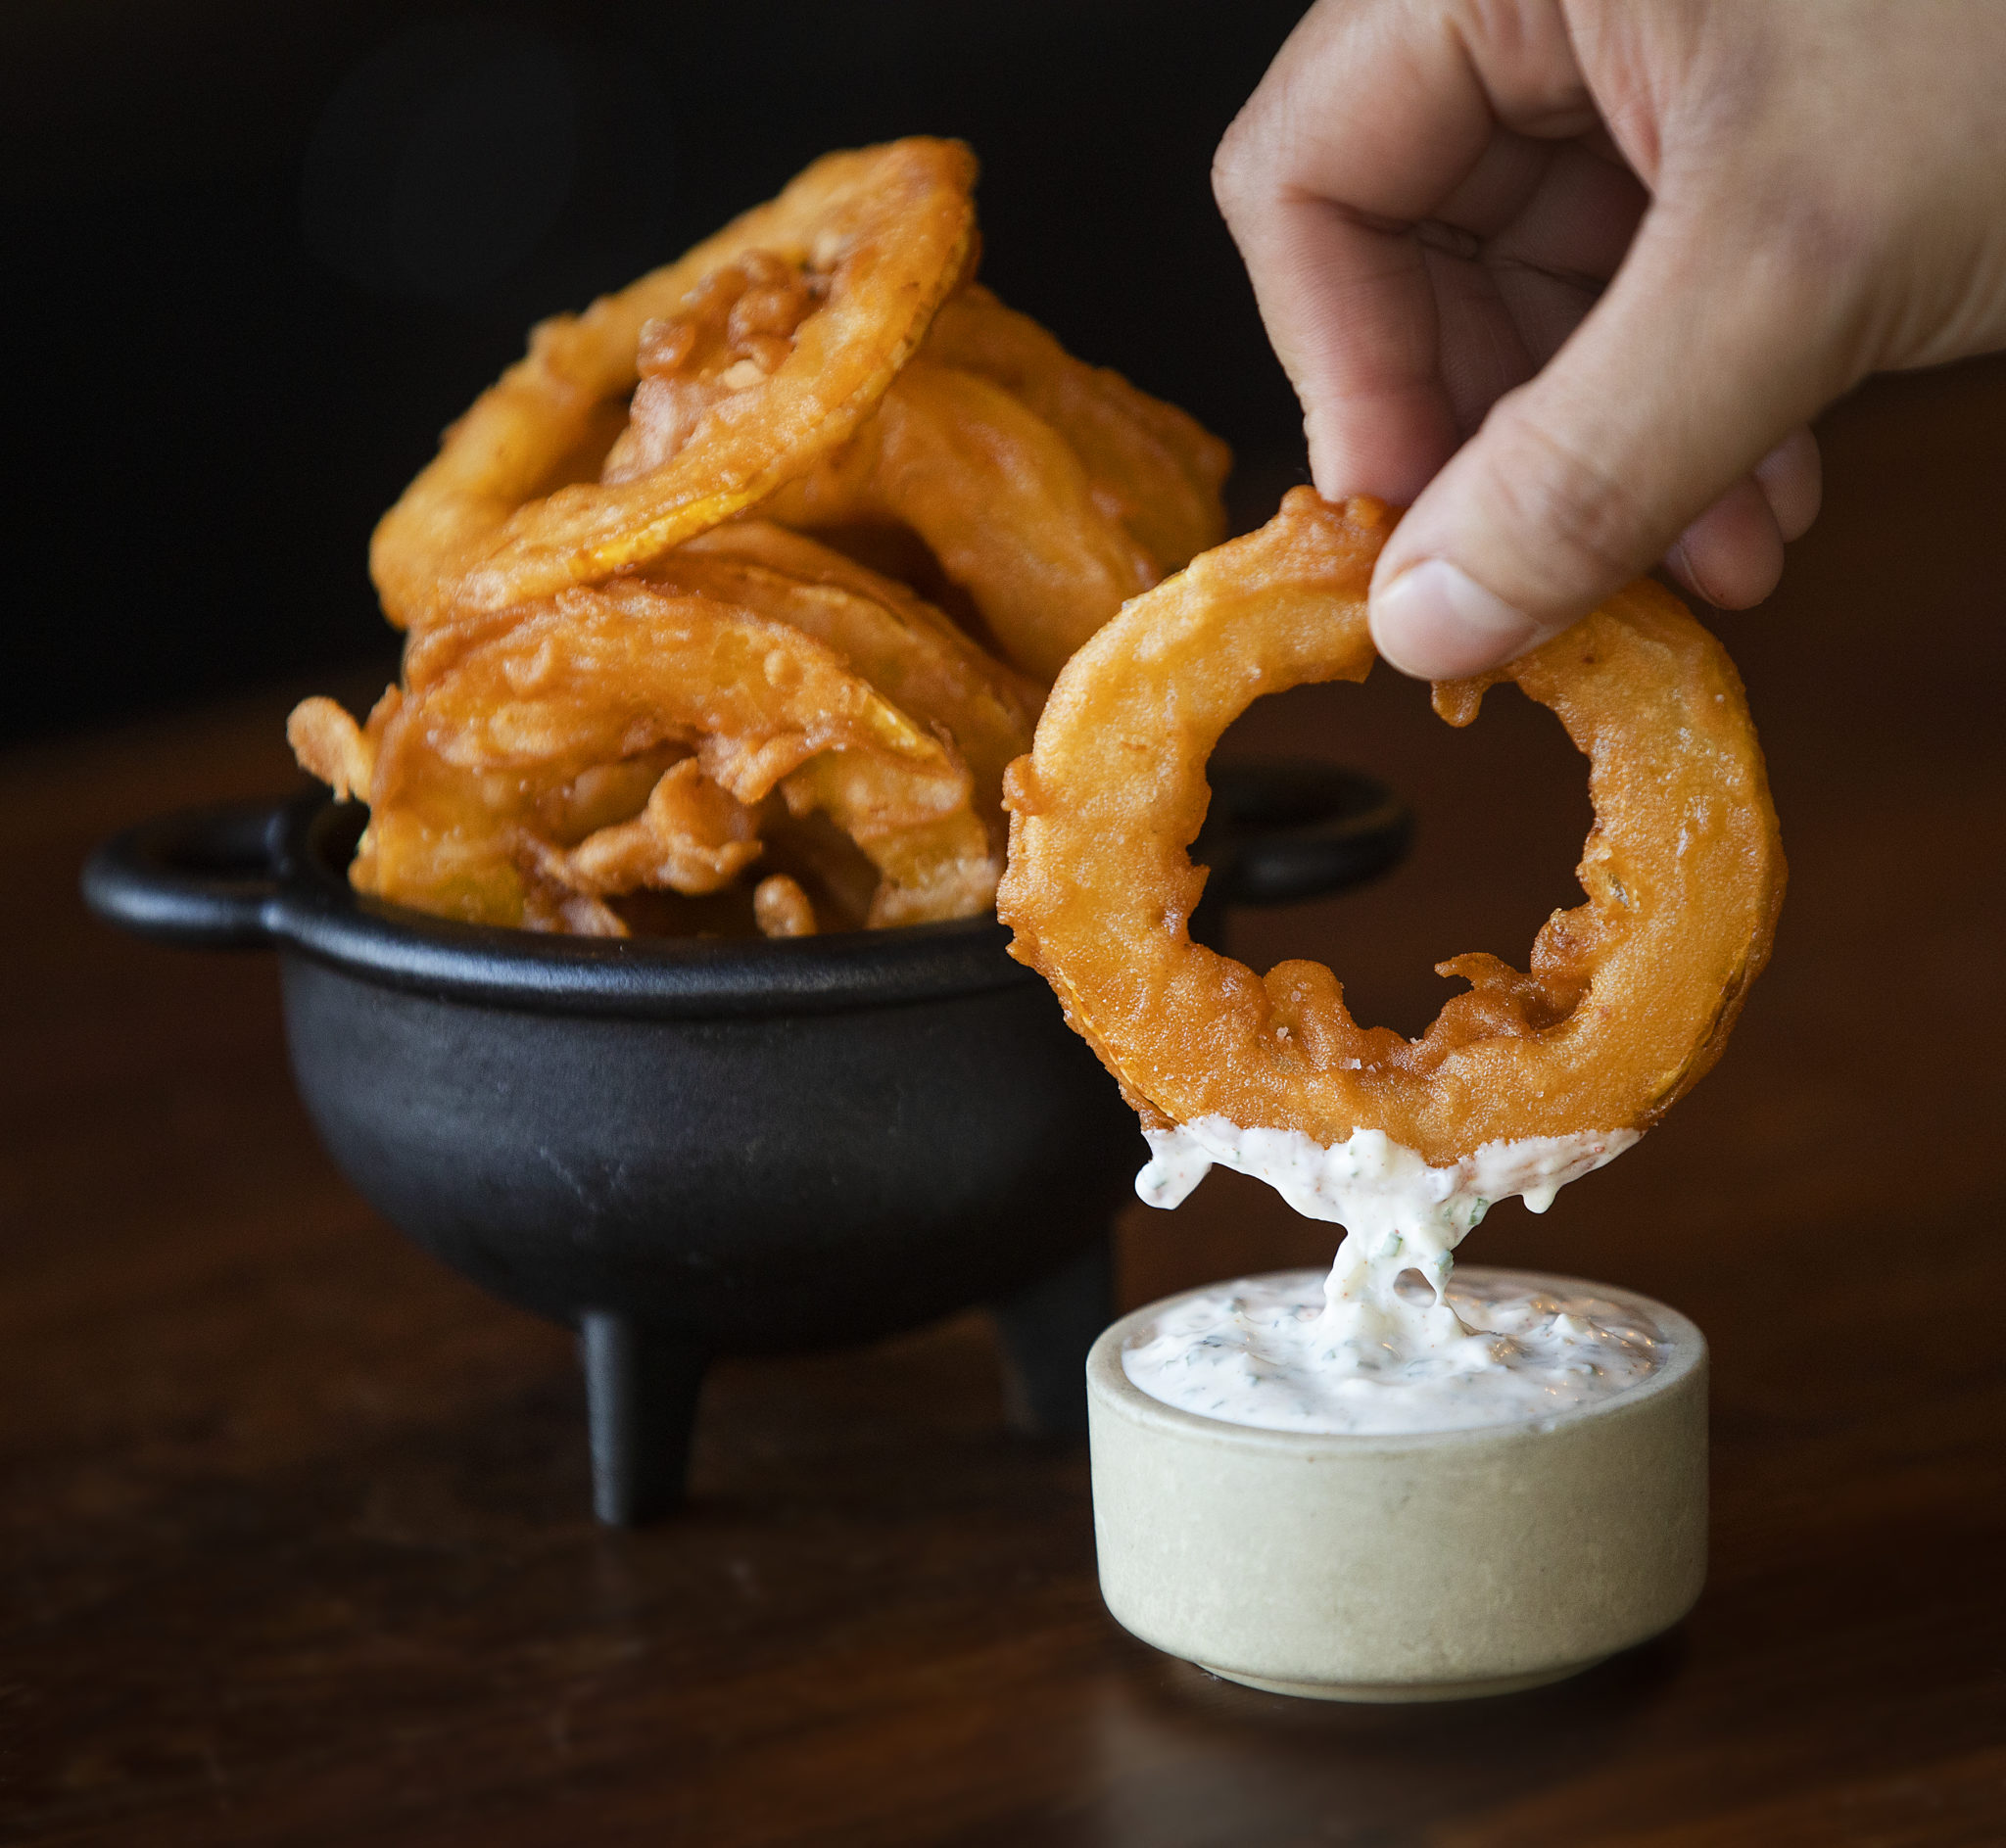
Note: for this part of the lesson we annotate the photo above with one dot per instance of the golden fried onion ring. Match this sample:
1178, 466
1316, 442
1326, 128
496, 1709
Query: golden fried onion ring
1000, 498
1153, 467
903, 647
508, 511
691, 837
1631, 995
625, 682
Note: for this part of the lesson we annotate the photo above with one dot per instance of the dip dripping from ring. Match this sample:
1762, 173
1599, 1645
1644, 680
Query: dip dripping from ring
1375, 1355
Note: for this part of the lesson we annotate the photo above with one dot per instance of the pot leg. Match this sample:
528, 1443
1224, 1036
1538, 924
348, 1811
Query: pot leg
641, 1391
1046, 1329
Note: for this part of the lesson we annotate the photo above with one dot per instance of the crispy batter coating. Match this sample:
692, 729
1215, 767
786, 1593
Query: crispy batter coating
782, 907
1151, 466
860, 251
517, 852
692, 837
908, 651
734, 330
478, 774
1630, 997
331, 746
999, 497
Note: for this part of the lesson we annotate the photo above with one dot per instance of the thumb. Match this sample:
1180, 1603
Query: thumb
1699, 358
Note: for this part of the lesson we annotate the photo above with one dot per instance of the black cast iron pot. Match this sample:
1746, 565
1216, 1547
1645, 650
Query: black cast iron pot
693, 1147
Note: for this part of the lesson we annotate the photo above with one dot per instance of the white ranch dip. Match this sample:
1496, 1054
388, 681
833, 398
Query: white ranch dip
1361, 1349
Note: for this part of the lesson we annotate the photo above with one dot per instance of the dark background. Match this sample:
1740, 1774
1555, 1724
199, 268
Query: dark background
262, 253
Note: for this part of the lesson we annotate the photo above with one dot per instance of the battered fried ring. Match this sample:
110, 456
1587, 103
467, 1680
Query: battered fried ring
906, 649
1631, 996
329, 745
508, 510
597, 678
690, 838
1154, 469
798, 556
1000, 499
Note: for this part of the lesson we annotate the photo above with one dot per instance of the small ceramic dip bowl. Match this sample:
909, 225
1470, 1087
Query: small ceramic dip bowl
1434, 1565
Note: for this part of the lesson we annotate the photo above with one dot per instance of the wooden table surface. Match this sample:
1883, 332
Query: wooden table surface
293, 1532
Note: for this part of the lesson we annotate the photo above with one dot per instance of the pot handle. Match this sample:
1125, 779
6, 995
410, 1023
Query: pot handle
202, 878
1286, 828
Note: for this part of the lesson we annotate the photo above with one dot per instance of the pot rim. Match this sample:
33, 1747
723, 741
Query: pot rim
316, 912
1108, 1384
274, 874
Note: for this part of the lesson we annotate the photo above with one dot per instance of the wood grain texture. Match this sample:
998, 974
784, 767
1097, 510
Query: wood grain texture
293, 1532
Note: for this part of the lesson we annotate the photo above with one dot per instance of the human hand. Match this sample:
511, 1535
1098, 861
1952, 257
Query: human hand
1572, 276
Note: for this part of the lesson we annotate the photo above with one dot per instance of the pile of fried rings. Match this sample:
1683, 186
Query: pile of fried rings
730, 604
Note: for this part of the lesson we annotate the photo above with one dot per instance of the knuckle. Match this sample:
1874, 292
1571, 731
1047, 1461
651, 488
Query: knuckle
1234, 164
1576, 518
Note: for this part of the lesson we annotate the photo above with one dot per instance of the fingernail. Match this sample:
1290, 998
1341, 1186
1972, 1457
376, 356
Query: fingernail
1438, 623
1679, 562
